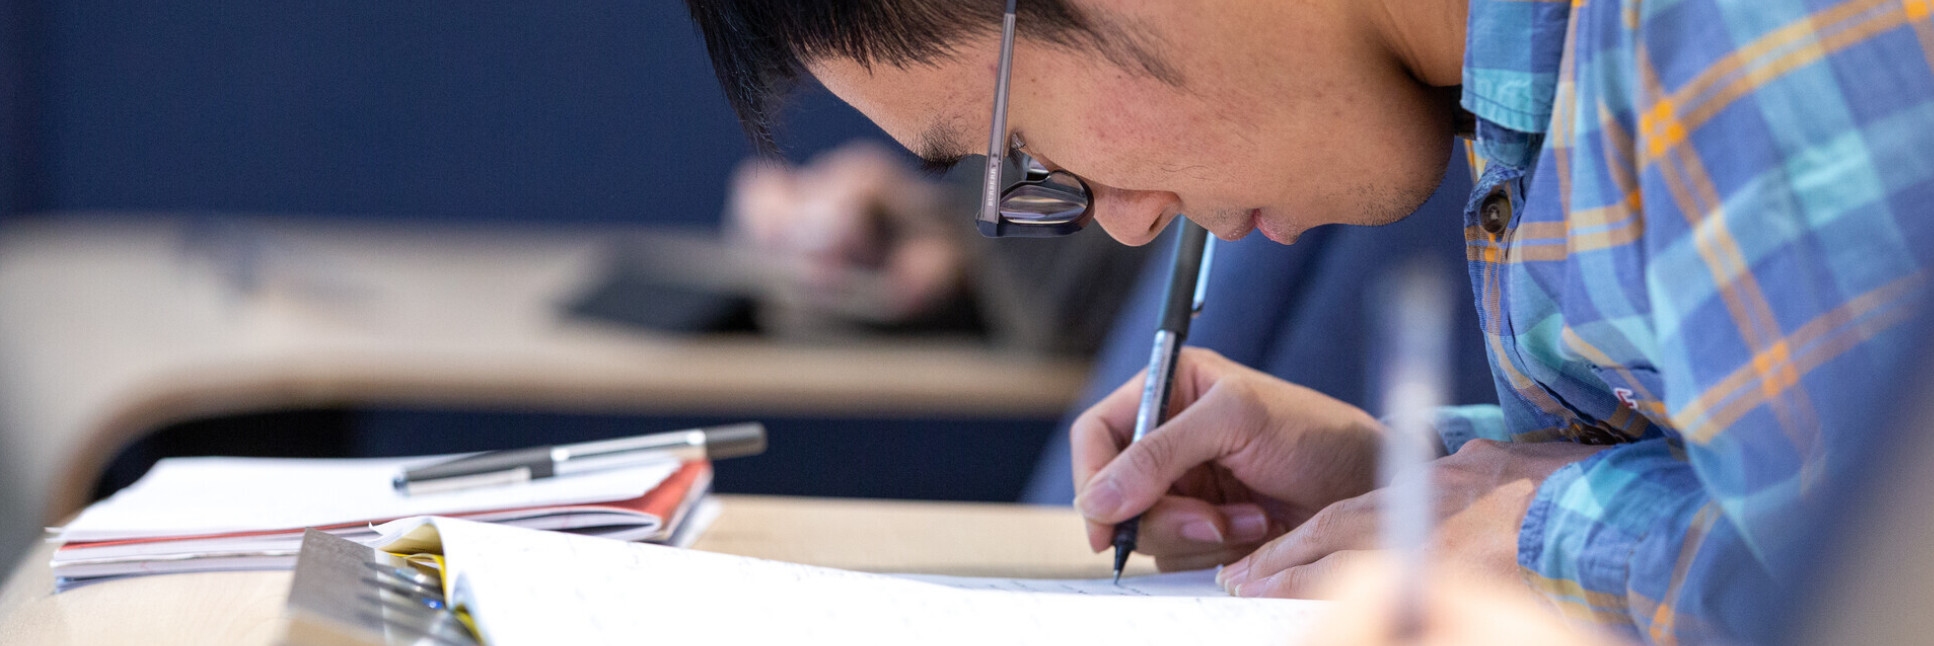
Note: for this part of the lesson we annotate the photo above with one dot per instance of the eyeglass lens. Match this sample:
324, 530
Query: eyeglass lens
1041, 196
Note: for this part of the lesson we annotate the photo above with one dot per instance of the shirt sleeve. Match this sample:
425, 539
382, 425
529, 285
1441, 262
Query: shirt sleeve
1630, 540
1785, 236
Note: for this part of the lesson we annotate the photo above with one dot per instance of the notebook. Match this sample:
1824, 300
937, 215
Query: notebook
218, 514
525, 587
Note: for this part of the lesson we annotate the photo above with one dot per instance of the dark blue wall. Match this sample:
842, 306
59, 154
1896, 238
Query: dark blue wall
14, 153
590, 111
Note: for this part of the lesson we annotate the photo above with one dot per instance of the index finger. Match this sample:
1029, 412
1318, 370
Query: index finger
1097, 436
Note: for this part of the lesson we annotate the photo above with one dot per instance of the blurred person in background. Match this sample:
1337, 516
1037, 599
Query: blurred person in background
861, 212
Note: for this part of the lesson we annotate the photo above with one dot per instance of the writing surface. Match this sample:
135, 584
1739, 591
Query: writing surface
529, 587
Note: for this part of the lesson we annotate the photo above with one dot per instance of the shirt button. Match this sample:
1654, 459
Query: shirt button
1495, 214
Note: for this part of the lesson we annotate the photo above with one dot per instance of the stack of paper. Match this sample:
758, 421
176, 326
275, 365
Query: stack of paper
525, 587
213, 514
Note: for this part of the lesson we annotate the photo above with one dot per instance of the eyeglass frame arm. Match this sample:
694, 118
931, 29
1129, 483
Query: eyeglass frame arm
990, 221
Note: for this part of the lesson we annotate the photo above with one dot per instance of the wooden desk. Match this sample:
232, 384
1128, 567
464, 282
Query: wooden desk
245, 607
116, 326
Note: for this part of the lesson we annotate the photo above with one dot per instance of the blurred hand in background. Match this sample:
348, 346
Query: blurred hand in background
856, 217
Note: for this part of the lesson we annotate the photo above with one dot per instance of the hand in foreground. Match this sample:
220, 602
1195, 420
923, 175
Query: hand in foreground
1457, 611
1247, 457
854, 211
1480, 497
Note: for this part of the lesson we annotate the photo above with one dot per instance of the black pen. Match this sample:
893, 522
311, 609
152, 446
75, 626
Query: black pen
1187, 283
523, 465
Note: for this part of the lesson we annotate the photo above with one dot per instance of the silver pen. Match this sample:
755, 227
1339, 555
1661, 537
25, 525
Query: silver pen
523, 465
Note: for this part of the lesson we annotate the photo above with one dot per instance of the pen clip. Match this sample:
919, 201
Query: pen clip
1202, 276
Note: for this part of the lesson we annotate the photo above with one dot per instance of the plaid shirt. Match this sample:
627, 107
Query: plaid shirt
1697, 228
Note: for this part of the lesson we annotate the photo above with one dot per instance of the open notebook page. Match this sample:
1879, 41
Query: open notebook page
530, 587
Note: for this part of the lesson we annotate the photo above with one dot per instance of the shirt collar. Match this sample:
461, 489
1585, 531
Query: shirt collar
1512, 52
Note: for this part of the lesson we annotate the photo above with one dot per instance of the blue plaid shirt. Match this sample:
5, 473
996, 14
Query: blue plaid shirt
1697, 228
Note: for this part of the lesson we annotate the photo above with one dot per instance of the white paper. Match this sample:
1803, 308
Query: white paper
527, 587
194, 496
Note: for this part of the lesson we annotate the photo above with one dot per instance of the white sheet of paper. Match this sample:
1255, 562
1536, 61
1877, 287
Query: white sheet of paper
530, 587
193, 496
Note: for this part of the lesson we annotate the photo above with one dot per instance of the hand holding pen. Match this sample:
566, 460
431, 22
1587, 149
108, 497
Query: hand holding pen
1244, 458
1276, 481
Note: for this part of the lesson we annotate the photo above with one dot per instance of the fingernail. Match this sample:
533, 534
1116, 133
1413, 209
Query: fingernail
1248, 525
1232, 575
1202, 531
1100, 501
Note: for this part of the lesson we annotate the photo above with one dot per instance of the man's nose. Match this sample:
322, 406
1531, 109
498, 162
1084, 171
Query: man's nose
1134, 218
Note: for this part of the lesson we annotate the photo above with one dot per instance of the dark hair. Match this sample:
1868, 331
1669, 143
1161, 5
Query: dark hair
759, 47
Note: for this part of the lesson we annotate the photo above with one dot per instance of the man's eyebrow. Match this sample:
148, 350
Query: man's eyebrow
937, 149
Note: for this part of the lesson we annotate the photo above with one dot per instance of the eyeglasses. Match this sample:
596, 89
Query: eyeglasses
1021, 198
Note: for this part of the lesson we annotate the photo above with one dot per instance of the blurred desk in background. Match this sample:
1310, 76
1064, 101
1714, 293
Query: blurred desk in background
114, 325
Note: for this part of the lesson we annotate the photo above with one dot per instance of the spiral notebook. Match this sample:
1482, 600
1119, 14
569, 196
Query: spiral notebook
346, 594
528, 587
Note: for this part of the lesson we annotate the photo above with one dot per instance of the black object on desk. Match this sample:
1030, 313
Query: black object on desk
634, 290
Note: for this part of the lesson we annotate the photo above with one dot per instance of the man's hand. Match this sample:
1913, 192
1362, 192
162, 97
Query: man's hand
1481, 495
1246, 458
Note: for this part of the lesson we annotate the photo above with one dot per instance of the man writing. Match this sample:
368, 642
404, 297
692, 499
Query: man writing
1697, 226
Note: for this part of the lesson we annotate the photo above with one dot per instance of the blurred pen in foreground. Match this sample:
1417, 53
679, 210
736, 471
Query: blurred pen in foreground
1415, 324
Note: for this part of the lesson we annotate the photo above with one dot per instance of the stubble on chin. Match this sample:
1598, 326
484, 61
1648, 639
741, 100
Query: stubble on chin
1370, 205
1386, 204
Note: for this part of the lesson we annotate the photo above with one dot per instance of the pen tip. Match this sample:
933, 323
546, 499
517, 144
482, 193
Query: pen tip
1121, 562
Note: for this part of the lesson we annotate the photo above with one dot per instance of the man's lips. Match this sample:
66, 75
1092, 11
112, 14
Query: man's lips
1271, 233
1242, 227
